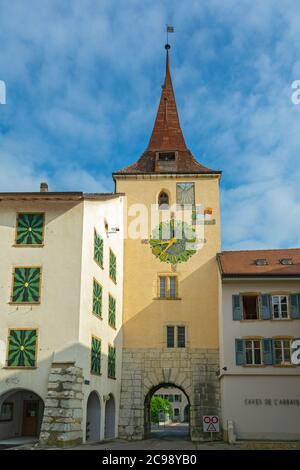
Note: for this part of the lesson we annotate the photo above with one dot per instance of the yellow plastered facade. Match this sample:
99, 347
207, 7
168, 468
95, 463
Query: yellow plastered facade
145, 316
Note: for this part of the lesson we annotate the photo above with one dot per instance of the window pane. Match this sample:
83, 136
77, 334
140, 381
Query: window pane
162, 287
257, 356
250, 310
170, 336
282, 352
181, 336
284, 307
173, 287
276, 311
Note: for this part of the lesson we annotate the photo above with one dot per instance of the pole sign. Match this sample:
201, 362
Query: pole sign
211, 423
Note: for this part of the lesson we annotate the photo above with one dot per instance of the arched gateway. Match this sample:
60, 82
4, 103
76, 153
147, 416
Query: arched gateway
164, 387
21, 413
93, 416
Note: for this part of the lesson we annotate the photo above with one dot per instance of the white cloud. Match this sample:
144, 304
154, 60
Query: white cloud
83, 81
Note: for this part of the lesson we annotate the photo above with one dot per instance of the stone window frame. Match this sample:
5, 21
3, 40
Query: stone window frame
288, 303
254, 338
167, 276
282, 338
176, 325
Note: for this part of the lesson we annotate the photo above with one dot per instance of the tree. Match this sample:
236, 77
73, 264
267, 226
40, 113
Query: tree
160, 405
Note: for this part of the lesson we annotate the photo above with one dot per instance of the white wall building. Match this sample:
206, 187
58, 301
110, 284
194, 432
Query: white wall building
259, 318
61, 281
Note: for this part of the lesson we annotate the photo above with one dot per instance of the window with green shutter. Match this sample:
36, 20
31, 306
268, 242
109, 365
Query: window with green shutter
98, 249
97, 299
30, 229
111, 311
22, 348
111, 371
26, 285
112, 266
96, 356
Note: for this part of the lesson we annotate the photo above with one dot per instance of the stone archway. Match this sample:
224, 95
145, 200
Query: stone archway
110, 418
93, 417
147, 406
23, 411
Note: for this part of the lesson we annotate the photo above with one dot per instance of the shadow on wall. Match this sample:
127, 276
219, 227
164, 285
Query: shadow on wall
192, 369
34, 398
195, 286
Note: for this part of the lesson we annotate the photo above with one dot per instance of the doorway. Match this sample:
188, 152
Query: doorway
166, 413
21, 414
30, 417
110, 418
93, 415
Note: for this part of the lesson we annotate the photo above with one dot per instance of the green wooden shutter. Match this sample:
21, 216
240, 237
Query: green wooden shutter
295, 306
239, 352
237, 307
268, 351
266, 311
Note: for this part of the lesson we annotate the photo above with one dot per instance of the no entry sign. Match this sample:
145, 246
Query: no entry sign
211, 423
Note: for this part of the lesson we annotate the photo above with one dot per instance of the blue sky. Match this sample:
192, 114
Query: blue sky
83, 82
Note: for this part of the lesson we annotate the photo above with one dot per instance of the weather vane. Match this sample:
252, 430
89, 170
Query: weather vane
170, 29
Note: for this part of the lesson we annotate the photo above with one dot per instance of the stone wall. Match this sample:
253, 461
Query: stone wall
62, 421
192, 370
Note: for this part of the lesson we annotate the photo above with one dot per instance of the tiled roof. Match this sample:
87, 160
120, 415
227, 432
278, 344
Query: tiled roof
260, 263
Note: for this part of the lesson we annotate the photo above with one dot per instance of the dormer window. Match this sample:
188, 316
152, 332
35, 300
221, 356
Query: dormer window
286, 261
163, 200
261, 262
166, 156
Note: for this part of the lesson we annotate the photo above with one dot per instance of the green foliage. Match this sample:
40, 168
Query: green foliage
160, 405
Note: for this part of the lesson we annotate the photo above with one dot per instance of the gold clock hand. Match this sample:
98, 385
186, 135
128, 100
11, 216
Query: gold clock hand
169, 245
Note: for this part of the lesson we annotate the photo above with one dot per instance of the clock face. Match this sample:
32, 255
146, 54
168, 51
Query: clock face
172, 241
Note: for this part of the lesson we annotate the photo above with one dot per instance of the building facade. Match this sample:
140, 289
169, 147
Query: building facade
259, 319
108, 299
61, 314
170, 317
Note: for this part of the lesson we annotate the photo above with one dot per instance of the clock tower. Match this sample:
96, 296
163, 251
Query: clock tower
171, 282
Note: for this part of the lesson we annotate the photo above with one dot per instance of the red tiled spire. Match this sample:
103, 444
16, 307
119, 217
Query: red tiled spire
166, 138
167, 133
